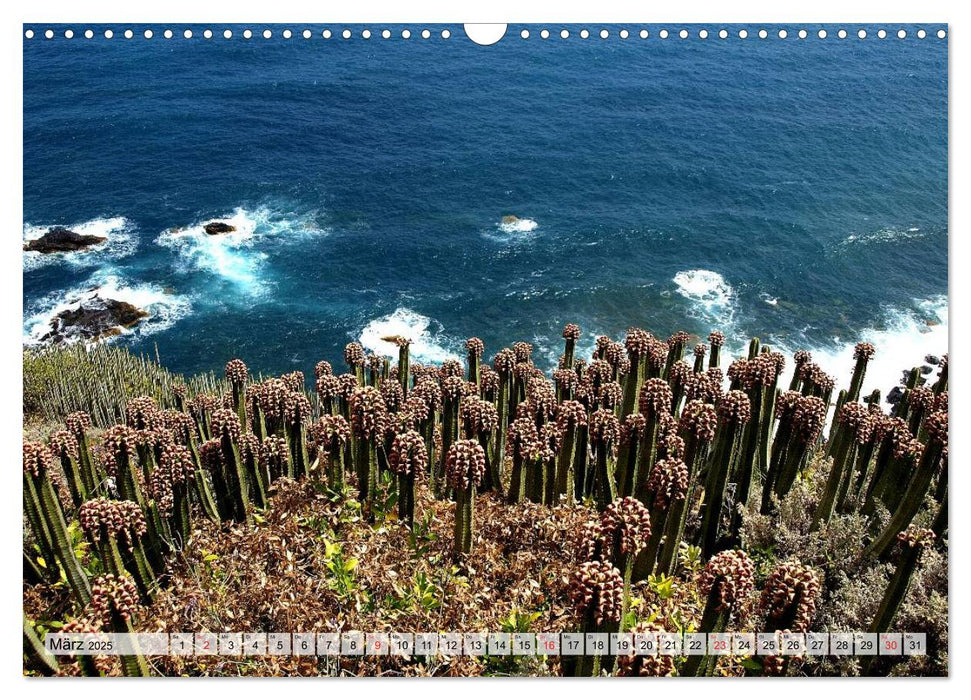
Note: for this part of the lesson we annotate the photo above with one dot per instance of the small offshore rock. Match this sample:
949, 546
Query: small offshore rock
61, 240
214, 228
94, 319
510, 219
926, 369
895, 395
932, 360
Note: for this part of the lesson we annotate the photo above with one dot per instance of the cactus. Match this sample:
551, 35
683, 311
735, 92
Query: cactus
296, 414
522, 442
36, 656
655, 405
788, 602
623, 531
236, 374
726, 581
597, 592
368, 423
716, 339
570, 417
47, 519
638, 347
227, 431
667, 489
332, 434
913, 541
355, 358
464, 469
758, 381
854, 423
734, 410
936, 426
116, 529
409, 460
474, 347
114, 600
604, 434
806, 416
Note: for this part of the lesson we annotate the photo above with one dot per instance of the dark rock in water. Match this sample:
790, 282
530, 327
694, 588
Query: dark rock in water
216, 227
932, 360
926, 369
60, 240
510, 219
94, 319
895, 395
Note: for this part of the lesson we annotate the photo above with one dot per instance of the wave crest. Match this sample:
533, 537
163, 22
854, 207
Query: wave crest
428, 344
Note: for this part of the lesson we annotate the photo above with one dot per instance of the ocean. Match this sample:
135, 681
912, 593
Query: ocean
794, 190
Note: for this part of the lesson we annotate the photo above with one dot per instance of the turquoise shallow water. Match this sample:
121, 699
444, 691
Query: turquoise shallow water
795, 190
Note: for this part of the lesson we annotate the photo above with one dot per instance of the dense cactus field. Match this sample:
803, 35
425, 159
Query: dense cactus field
655, 486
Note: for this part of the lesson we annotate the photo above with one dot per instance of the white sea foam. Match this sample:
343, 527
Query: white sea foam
239, 255
428, 343
884, 235
902, 340
164, 308
518, 226
117, 229
713, 299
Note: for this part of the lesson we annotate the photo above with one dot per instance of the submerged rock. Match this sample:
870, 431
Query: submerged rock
214, 228
93, 319
61, 240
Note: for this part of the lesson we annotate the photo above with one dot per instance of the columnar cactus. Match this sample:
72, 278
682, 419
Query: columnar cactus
227, 430
807, 416
368, 418
407, 458
597, 592
480, 419
700, 353
726, 581
474, 347
716, 339
332, 434
604, 435
523, 443
930, 462
623, 532
734, 410
65, 447
758, 380
355, 357
631, 433
236, 375
464, 469
862, 353
116, 529
47, 519
114, 600
77, 424
667, 489
788, 603
296, 415
912, 543
855, 422
655, 405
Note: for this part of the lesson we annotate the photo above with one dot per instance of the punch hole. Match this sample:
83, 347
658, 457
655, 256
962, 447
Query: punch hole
485, 34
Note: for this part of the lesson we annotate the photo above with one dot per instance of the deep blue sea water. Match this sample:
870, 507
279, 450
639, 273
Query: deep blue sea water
790, 189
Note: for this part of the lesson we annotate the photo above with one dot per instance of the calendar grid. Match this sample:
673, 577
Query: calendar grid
451, 644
